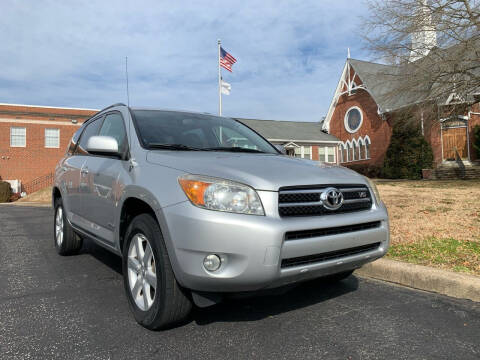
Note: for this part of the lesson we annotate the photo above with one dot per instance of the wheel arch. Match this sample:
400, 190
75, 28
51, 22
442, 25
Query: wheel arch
131, 207
56, 194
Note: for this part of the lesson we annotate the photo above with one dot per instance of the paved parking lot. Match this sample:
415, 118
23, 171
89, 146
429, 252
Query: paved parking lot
74, 307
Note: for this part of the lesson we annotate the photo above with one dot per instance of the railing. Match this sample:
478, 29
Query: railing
38, 183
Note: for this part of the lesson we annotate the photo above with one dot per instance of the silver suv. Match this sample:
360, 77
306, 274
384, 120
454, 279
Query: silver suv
200, 207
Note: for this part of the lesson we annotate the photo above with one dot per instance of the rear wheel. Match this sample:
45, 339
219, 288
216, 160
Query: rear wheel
155, 297
66, 241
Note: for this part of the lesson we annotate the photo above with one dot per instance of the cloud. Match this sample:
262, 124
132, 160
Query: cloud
290, 54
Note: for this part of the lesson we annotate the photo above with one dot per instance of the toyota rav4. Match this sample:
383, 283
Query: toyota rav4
200, 206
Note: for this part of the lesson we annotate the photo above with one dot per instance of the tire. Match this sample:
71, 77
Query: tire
339, 277
67, 242
154, 295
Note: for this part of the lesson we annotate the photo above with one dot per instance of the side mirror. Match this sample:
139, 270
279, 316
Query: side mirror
103, 145
281, 148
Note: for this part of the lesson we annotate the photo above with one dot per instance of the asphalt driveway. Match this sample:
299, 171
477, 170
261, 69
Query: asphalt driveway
74, 307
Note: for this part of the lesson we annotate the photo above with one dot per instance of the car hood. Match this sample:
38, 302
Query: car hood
261, 171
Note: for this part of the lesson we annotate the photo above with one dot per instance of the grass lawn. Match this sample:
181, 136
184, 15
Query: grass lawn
435, 223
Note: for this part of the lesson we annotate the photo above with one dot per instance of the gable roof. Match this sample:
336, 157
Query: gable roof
383, 82
295, 131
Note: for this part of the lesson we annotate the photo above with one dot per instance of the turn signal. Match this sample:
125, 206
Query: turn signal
194, 189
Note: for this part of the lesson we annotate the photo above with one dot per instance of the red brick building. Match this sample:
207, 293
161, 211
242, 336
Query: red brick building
362, 111
34, 138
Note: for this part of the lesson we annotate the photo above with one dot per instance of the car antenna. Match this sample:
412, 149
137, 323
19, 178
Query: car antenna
126, 76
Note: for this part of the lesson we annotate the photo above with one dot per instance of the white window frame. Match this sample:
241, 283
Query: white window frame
58, 138
345, 120
325, 154
368, 142
17, 135
302, 152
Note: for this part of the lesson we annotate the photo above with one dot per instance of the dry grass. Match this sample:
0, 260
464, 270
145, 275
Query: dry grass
432, 211
41, 196
441, 209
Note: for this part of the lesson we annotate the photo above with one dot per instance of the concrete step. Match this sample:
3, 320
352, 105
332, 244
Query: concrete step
452, 170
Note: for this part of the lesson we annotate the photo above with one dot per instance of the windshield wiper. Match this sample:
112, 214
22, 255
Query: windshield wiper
233, 149
172, 147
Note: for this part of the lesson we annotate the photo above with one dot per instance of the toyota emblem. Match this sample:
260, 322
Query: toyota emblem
332, 198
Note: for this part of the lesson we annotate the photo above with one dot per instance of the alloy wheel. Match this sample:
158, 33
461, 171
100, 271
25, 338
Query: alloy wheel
59, 226
142, 277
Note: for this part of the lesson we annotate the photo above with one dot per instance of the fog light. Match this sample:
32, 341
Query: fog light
212, 262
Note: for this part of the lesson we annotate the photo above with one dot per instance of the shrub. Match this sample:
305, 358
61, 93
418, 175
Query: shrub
476, 140
408, 152
370, 171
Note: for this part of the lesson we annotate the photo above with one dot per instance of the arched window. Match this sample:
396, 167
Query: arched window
349, 152
361, 149
367, 148
355, 150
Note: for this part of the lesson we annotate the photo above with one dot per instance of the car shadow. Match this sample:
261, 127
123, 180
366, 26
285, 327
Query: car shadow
106, 257
248, 307
277, 302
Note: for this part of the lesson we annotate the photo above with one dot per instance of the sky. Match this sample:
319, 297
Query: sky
290, 54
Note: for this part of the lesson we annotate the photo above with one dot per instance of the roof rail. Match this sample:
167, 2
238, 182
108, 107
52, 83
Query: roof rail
117, 104
99, 111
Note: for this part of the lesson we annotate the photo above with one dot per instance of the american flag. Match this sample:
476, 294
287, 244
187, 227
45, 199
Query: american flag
226, 60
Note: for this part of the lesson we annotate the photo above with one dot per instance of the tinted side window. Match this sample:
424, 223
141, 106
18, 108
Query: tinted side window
74, 141
90, 130
114, 126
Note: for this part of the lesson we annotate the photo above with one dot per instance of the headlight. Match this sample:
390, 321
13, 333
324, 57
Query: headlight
221, 195
375, 190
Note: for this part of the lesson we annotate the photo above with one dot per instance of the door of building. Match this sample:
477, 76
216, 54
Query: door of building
454, 142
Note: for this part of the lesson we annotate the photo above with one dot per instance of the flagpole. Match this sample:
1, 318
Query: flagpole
219, 83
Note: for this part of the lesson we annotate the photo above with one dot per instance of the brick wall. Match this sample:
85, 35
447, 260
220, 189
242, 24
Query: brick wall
35, 160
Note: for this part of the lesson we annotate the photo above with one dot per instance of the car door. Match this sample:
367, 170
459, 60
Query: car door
69, 175
104, 189
80, 178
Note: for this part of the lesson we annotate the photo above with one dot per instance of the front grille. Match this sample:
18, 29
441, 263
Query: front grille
305, 200
305, 234
310, 259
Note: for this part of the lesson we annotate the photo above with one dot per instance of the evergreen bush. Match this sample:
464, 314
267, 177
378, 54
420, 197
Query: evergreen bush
408, 152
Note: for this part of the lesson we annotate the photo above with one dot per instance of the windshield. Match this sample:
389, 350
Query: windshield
185, 131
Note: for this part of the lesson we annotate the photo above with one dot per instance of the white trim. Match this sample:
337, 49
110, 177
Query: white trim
42, 122
48, 107
291, 145
333, 103
345, 120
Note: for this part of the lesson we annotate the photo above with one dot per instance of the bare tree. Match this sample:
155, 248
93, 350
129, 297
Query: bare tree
433, 45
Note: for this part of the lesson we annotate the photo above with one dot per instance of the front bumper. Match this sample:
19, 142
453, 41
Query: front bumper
252, 247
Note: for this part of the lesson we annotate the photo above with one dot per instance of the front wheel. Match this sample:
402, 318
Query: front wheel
155, 297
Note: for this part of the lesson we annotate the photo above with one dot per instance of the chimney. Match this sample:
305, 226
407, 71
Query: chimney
424, 35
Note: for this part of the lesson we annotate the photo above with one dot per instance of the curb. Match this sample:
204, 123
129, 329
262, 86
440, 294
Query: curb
27, 203
425, 278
